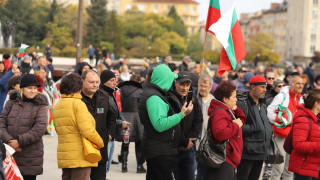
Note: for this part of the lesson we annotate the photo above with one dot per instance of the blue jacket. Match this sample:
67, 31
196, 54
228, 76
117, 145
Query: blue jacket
3, 88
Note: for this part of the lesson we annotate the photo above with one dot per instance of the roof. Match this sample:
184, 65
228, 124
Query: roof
169, 1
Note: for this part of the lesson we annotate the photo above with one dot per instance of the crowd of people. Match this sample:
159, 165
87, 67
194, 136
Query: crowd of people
166, 109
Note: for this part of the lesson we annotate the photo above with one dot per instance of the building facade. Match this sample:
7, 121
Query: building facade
303, 37
186, 9
272, 21
293, 24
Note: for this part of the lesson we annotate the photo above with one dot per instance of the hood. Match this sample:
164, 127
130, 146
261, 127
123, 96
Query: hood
305, 112
128, 87
81, 65
163, 77
215, 104
38, 100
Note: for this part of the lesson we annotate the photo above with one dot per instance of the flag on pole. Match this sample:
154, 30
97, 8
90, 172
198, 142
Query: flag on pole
22, 50
222, 21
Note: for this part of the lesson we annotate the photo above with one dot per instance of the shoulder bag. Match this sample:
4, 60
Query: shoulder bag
209, 154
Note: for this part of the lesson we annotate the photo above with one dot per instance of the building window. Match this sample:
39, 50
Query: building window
312, 49
194, 9
186, 8
169, 8
315, 2
193, 19
155, 8
313, 37
192, 30
185, 19
141, 7
315, 14
128, 7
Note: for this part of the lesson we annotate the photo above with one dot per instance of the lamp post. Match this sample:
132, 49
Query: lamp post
80, 30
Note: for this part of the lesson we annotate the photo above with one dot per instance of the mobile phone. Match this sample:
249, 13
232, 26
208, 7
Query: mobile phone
189, 97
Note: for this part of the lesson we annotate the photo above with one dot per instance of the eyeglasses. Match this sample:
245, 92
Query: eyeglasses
270, 78
280, 86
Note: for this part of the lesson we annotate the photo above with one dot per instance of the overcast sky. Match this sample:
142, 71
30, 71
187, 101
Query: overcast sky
242, 6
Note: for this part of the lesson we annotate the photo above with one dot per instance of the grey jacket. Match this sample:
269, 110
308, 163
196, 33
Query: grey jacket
25, 121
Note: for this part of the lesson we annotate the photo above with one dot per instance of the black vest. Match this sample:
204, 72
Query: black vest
157, 143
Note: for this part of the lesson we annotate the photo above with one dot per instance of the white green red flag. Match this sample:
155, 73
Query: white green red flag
222, 21
22, 50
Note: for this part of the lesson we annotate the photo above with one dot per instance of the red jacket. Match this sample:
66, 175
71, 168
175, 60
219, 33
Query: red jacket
222, 128
305, 156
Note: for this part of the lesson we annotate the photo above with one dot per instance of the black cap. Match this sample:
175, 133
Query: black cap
106, 75
29, 80
184, 76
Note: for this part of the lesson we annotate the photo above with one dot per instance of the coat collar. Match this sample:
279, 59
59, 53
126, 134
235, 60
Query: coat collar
75, 95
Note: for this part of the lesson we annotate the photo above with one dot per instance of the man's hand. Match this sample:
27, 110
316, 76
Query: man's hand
125, 125
190, 144
186, 110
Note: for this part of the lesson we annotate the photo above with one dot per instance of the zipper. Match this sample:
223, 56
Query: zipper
173, 132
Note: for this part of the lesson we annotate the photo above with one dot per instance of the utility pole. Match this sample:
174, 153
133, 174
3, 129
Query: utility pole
80, 30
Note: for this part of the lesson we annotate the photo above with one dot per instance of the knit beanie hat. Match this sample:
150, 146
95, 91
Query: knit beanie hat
247, 77
106, 75
258, 80
29, 80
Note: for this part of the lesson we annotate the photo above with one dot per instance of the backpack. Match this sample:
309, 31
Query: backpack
243, 96
287, 145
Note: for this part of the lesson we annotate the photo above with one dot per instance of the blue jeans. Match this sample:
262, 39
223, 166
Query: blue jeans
186, 164
110, 154
300, 177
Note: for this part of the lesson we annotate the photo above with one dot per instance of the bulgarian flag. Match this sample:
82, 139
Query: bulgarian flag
22, 50
222, 21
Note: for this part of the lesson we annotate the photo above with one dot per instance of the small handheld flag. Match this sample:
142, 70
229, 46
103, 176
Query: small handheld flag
22, 50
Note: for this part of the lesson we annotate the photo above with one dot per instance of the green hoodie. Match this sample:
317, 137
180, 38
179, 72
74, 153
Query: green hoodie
158, 110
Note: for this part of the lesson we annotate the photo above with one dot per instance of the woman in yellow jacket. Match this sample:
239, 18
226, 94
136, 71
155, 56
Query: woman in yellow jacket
71, 117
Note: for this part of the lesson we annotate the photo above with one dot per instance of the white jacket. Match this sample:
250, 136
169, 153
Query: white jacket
281, 98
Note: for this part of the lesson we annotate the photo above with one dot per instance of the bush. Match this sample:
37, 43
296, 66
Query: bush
8, 50
69, 51
108, 46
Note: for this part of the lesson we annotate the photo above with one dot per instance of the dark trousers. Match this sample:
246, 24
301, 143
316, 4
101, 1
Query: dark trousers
300, 177
138, 149
224, 172
162, 168
29, 177
201, 171
99, 173
249, 169
76, 173
186, 167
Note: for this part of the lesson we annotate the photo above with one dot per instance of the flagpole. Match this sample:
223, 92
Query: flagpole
203, 51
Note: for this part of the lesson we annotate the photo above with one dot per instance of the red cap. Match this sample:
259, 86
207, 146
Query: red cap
258, 80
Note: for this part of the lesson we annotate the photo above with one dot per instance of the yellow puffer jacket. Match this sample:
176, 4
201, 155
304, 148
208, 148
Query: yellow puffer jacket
71, 117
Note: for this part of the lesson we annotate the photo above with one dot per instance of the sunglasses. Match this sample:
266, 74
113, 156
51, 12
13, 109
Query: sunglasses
270, 78
280, 86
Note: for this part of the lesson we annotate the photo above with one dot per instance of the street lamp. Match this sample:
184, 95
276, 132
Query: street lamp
80, 30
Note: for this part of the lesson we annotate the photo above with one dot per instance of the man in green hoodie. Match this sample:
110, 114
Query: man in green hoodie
161, 125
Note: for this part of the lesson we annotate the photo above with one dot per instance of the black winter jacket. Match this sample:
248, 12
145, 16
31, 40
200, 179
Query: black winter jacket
157, 143
98, 106
257, 131
130, 95
191, 125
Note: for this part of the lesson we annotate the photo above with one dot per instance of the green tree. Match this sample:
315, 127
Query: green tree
114, 32
16, 21
54, 7
263, 44
175, 42
194, 44
134, 23
97, 21
178, 25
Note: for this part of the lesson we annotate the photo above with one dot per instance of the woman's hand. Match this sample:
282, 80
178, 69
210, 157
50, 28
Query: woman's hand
238, 121
186, 110
15, 145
